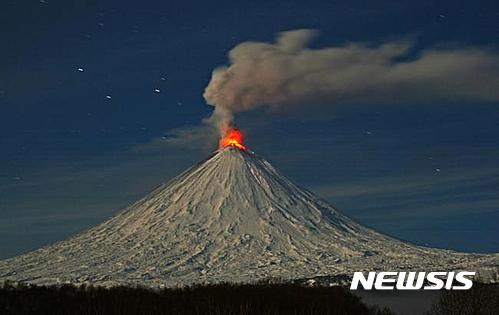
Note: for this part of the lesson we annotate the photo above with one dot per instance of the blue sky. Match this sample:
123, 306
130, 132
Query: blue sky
71, 157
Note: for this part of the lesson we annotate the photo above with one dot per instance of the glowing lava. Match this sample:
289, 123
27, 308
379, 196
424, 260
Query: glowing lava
233, 138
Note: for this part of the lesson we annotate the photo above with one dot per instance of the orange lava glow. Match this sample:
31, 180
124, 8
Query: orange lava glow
233, 138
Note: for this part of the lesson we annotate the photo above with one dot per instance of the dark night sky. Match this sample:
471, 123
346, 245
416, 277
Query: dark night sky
71, 157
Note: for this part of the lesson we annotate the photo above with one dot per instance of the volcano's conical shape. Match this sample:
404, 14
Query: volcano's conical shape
232, 217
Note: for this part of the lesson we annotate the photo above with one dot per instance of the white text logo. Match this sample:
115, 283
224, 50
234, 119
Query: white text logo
390, 280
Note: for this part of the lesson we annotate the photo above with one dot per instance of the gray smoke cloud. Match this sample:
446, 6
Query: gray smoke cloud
288, 74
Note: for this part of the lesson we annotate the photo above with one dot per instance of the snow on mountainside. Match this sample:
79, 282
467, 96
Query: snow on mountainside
231, 218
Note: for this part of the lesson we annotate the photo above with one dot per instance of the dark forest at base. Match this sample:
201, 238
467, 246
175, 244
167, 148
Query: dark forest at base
209, 299
221, 299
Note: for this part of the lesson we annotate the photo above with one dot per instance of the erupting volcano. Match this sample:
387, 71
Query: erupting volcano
232, 217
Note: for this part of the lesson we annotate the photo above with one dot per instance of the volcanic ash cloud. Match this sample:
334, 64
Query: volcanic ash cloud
288, 74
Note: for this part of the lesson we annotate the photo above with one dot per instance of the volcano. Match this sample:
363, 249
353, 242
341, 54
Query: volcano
235, 218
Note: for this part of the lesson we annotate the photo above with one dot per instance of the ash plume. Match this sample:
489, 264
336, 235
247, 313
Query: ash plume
287, 74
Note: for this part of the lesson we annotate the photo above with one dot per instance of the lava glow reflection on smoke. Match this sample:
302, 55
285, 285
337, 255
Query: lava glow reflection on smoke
233, 138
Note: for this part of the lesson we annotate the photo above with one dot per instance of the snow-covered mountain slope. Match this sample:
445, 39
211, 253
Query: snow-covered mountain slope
231, 218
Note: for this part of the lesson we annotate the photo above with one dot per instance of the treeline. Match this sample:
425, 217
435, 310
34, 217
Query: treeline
218, 299
481, 299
